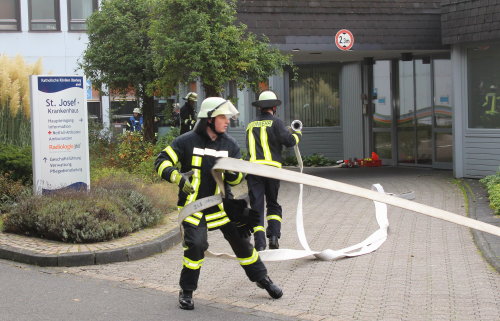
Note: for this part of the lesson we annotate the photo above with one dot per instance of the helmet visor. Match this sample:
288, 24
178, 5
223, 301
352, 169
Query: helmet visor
227, 109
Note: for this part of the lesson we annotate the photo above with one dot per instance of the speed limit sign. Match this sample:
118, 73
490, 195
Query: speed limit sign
344, 39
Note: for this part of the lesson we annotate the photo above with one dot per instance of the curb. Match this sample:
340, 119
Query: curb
479, 209
129, 253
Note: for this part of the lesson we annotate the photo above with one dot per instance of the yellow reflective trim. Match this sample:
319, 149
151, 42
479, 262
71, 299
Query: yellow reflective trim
173, 176
164, 165
196, 185
273, 217
196, 161
260, 123
170, 151
214, 216
217, 223
267, 162
296, 138
258, 228
250, 260
198, 214
251, 146
185, 248
192, 220
190, 264
265, 144
237, 180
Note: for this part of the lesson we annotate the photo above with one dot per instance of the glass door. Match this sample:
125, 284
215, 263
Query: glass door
382, 117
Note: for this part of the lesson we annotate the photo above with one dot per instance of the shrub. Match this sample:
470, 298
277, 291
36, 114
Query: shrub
113, 208
316, 160
290, 161
10, 192
492, 183
166, 139
17, 162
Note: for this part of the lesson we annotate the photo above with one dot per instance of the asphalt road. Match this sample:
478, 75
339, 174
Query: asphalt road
34, 293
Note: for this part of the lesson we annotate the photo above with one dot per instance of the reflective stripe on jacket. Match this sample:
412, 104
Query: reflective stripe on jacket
265, 138
198, 153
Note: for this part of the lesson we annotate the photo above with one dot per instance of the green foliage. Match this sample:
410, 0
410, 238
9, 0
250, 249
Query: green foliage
17, 162
290, 161
114, 209
166, 139
201, 39
492, 183
316, 160
118, 53
14, 129
10, 192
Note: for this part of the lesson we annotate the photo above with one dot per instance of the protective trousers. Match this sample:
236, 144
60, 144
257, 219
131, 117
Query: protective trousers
195, 244
258, 188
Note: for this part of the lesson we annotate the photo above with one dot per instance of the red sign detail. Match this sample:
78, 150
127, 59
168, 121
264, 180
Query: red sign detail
344, 39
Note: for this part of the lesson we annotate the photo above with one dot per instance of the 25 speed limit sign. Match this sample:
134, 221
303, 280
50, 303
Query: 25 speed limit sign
344, 39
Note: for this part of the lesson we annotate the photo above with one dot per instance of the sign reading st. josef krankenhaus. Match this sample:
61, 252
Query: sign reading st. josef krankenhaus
59, 133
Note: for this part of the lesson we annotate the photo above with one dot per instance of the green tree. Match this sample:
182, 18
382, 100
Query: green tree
201, 39
118, 53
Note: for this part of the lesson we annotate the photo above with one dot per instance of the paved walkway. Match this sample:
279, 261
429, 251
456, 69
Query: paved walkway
427, 269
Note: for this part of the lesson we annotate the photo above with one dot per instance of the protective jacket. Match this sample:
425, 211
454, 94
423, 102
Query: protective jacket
135, 124
265, 139
198, 153
188, 117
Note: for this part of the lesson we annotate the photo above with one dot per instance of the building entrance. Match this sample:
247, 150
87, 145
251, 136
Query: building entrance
411, 120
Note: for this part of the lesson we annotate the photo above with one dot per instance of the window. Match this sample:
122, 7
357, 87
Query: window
78, 12
9, 15
484, 86
44, 15
314, 96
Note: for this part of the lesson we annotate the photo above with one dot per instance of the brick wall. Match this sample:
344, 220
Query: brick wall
467, 20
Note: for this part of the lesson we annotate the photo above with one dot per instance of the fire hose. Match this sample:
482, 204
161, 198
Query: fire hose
377, 195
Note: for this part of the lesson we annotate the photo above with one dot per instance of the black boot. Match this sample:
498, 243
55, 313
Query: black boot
271, 288
186, 300
273, 243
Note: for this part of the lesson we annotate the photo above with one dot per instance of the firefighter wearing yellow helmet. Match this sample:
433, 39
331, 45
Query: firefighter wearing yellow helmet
265, 138
188, 112
196, 152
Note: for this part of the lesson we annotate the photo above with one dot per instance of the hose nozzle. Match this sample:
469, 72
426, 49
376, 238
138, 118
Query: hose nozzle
296, 125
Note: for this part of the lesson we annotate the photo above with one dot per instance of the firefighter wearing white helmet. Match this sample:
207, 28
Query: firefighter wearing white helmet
265, 138
136, 121
196, 152
188, 112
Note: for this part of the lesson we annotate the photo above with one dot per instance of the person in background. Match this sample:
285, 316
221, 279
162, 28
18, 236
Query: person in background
135, 122
197, 152
188, 112
265, 138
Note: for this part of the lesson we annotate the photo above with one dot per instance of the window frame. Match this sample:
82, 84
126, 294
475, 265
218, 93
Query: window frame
17, 4
95, 6
57, 14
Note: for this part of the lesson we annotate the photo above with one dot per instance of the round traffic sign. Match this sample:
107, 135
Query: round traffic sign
344, 39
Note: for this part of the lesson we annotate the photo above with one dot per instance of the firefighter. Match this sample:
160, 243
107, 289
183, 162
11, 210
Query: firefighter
265, 138
188, 112
197, 151
134, 123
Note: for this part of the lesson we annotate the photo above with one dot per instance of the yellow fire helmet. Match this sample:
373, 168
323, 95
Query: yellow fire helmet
191, 96
215, 106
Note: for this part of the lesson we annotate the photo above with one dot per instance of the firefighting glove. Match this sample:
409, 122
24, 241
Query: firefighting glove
184, 184
239, 213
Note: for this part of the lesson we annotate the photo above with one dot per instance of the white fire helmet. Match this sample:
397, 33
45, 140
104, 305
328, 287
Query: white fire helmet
215, 106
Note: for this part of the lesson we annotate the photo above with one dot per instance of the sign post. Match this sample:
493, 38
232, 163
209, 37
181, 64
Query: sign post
59, 133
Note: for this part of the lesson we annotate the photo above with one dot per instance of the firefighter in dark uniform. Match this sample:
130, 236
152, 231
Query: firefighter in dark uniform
265, 138
197, 151
188, 112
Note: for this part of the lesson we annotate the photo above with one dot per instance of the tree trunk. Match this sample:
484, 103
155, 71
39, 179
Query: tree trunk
148, 114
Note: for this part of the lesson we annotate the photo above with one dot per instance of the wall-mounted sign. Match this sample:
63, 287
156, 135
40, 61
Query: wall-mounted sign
59, 133
344, 39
